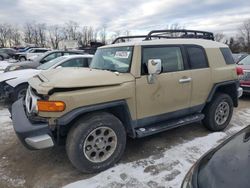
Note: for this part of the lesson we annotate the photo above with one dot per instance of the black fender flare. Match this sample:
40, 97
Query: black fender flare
119, 108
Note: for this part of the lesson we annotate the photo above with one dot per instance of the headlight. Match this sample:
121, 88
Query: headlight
12, 68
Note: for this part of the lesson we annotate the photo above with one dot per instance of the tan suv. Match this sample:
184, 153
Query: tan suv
132, 88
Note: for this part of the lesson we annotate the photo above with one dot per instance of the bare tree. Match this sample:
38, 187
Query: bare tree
219, 37
55, 35
103, 35
71, 30
41, 30
245, 32
4, 34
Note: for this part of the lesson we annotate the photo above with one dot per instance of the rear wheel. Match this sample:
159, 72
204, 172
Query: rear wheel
218, 112
22, 58
96, 142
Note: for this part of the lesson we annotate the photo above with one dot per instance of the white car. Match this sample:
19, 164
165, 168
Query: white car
30, 53
13, 85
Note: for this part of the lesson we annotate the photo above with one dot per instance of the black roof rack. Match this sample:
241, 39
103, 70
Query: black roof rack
123, 38
181, 33
177, 33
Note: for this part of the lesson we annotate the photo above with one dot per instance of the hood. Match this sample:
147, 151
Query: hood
4, 64
17, 74
77, 78
26, 64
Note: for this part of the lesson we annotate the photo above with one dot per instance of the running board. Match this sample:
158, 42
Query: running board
166, 125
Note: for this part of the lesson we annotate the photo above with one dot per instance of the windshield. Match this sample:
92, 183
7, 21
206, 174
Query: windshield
113, 59
51, 63
245, 61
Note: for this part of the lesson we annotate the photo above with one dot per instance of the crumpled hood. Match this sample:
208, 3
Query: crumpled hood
77, 78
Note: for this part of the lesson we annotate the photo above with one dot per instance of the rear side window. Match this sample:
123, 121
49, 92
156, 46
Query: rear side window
197, 57
227, 54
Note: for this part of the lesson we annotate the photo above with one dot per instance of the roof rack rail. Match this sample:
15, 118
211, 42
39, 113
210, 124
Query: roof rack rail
181, 33
122, 38
170, 33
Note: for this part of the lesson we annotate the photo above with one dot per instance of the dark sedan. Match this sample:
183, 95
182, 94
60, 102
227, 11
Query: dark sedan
245, 77
226, 166
11, 52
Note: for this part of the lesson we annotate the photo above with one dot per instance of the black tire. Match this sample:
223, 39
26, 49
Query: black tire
210, 112
1, 58
80, 132
22, 58
17, 92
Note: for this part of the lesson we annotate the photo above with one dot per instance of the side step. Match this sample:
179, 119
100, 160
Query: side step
166, 125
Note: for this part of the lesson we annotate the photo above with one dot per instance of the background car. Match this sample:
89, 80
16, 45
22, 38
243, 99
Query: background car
238, 57
45, 57
11, 52
226, 166
23, 56
4, 56
245, 77
13, 85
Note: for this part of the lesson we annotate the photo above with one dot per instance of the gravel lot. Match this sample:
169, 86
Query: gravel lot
161, 160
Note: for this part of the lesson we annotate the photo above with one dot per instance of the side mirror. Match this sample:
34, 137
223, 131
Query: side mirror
58, 67
154, 68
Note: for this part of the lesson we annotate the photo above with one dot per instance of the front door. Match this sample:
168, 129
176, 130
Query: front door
169, 96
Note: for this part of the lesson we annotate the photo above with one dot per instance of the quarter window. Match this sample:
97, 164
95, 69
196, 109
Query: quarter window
171, 58
197, 58
227, 54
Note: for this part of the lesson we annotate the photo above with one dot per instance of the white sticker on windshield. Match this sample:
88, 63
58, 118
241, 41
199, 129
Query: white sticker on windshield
122, 54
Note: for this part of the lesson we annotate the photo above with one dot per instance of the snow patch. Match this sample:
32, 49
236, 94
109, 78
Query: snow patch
167, 171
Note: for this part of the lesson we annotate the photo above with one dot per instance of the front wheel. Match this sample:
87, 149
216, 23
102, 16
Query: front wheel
1, 58
96, 142
19, 92
218, 112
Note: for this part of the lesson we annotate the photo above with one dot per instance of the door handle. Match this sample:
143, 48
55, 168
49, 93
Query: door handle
185, 80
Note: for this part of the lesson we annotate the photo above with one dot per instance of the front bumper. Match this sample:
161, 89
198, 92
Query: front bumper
32, 135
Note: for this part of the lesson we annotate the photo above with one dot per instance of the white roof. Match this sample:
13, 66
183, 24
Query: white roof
202, 42
79, 55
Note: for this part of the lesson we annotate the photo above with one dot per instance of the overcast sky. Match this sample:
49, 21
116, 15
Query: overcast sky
138, 16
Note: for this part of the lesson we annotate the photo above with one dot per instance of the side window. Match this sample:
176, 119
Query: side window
171, 58
197, 58
52, 56
78, 62
227, 54
89, 61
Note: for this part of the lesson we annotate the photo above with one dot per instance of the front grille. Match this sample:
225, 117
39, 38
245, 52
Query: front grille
245, 76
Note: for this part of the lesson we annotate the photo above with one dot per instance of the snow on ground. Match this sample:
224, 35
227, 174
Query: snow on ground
6, 131
167, 170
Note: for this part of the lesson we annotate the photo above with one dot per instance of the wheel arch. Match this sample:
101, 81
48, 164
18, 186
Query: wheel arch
228, 87
117, 108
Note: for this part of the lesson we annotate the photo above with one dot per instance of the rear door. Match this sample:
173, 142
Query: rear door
201, 76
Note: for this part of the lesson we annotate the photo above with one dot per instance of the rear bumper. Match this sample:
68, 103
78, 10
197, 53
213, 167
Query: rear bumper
246, 88
240, 92
32, 135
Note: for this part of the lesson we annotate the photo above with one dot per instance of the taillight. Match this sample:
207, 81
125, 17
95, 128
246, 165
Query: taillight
239, 71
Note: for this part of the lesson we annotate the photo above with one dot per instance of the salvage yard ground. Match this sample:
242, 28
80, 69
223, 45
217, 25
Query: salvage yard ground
161, 160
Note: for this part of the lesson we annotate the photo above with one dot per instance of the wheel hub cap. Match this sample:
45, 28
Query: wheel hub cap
222, 113
100, 144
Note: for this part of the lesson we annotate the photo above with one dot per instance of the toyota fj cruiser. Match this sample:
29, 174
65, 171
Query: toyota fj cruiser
135, 88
